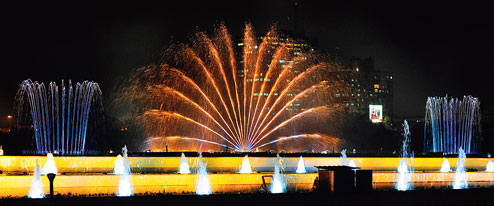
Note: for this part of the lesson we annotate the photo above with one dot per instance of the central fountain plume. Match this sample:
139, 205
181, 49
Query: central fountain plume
203, 187
445, 166
404, 170
60, 114
125, 187
460, 181
119, 168
278, 184
214, 101
184, 165
36, 190
301, 166
245, 168
490, 166
49, 166
352, 163
343, 158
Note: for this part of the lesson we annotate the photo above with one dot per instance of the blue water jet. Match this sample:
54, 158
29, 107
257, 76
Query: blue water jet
60, 114
451, 123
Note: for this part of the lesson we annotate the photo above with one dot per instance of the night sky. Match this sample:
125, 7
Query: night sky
433, 50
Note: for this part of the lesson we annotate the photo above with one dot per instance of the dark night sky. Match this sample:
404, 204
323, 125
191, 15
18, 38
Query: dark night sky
433, 50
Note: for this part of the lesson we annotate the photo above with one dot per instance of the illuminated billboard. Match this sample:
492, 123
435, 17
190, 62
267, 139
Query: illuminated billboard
376, 113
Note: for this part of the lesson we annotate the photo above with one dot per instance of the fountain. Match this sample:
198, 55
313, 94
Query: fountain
343, 158
60, 115
36, 190
451, 124
490, 166
212, 99
351, 163
245, 168
118, 167
203, 187
460, 181
301, 166
184, 165
402, 183
49, 166
125, 187
1, 150
278, 185
445, 166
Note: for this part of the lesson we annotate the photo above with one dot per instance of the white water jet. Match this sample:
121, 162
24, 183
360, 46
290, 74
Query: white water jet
36, 190
203, 187
278, 185
1, 150
460, 181
301, 166
118, 167
343, 158
125, 187
402, 183
49, 166
245, 169
445, 166
184, 165
351, 163
490, 166
404, 170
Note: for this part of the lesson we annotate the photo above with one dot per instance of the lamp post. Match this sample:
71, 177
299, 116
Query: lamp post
51, 177
10, 118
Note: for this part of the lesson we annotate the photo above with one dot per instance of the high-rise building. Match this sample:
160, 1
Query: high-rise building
297, 43
372, 90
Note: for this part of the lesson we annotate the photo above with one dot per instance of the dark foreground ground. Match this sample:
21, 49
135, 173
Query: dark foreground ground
423, 197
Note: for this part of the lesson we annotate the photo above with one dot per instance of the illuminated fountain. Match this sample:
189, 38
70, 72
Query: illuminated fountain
351, 163
278, 184
272, 97
1, 150
118, 167
343, 158
184, 165
49, 166
490, 166
203, 187
404, 170
451, 124
445, 166
460, 180
60, 114
125, 187
301, 166
36, 190
245, 168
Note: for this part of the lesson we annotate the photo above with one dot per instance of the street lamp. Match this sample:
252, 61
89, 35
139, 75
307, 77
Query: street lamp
9, 117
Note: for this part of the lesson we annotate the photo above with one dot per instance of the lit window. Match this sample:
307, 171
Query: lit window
376, 86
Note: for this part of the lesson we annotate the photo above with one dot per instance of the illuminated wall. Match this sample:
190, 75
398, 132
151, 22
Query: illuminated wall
222, 164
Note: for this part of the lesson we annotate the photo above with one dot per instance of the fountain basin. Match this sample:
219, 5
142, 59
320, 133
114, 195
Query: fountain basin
98, 184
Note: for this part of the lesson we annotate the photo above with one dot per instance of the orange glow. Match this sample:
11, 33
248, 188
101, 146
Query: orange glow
18, 186
95, 164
